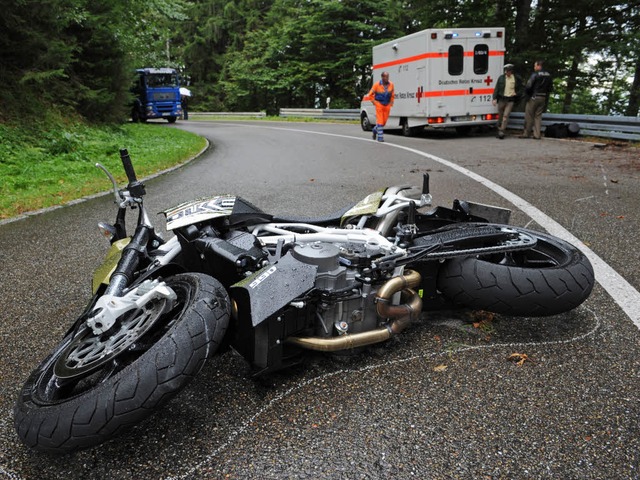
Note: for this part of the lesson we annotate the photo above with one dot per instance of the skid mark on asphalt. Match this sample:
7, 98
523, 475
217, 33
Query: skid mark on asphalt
244, 426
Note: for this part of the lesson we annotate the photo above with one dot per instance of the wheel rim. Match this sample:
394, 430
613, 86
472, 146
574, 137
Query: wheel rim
77, 366
543, 255
87, 351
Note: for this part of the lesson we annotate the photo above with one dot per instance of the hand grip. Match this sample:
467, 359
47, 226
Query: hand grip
425, 184
128, 166
135, 187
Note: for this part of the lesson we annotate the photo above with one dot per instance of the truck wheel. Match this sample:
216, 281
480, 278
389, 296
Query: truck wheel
172, 119
365, 123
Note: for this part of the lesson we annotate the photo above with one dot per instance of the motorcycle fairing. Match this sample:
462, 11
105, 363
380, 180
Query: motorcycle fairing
105, 270
270, 289
236, 209
367, 206
199, 210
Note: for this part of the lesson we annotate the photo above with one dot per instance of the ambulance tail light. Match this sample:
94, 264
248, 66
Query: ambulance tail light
434, 120
499, 34
490, 116
434, 35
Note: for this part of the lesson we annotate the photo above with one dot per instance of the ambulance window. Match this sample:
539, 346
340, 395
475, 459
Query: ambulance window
456, 59
481, 59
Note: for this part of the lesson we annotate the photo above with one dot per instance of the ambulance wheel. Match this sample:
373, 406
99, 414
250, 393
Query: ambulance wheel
365, 123
407, 131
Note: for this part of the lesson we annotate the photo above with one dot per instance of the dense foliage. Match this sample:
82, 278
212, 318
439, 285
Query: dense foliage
267, 54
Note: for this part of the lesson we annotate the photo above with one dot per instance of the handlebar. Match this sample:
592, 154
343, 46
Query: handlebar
136, 188
128, 166
425, 184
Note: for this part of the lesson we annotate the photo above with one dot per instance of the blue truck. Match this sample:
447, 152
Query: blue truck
157, 95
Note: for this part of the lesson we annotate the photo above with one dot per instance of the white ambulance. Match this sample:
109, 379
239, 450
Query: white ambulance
442, 78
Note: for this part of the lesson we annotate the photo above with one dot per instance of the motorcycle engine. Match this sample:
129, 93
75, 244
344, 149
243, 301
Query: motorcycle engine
346, 301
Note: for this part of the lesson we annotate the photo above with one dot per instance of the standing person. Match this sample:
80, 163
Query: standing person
185, 94
507, 92
382, 97
537, 89
184, 100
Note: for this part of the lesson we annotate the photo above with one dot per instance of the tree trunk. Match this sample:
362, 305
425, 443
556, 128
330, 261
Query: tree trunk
521, 34
572, 82
634, 93
574, 71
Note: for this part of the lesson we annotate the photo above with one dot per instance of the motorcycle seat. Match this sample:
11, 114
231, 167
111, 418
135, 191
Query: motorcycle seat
332, 218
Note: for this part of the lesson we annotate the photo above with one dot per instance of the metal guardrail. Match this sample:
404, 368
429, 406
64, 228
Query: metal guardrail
623, 128
229, 114
331, 113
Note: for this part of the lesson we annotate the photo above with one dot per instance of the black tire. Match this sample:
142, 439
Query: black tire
57, 416
171, 119
551, 278
365, 123
407, 131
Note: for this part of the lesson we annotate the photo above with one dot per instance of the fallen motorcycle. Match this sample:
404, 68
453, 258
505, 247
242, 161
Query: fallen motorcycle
272, 288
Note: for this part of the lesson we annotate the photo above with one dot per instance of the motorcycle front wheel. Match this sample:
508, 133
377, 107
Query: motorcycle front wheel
95, 400
548, 279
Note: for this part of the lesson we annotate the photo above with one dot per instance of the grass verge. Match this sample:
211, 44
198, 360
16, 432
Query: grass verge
54, 163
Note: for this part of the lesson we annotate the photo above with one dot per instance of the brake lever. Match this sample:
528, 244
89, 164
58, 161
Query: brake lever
116, 191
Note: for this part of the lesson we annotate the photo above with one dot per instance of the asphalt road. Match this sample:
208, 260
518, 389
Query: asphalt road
441, 401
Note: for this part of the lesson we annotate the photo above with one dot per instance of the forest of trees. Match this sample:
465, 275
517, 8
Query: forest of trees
248, 55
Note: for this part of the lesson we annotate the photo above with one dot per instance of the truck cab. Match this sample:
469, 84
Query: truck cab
157, 95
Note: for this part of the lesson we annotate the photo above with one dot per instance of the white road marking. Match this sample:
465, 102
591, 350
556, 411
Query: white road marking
622, 292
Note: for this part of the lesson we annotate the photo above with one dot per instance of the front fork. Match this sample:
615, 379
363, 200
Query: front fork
115, 302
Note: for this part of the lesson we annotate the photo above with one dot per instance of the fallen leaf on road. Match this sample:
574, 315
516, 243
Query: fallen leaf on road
440, 368
519, 358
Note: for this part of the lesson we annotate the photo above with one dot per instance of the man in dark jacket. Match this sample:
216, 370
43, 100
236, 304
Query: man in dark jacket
537, 89
506, 94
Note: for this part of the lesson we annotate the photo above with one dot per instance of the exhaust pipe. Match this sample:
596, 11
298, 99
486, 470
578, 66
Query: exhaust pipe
402, 316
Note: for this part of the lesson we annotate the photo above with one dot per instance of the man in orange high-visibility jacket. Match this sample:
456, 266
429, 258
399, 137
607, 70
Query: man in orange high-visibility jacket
381, 95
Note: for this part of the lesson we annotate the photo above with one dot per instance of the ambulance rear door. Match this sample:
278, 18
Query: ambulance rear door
468, 64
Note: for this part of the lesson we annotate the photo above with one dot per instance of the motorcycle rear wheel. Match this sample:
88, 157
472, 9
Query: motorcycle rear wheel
61, 415
548, 279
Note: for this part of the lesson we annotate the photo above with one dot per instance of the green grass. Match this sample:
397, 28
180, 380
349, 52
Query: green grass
54, 162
